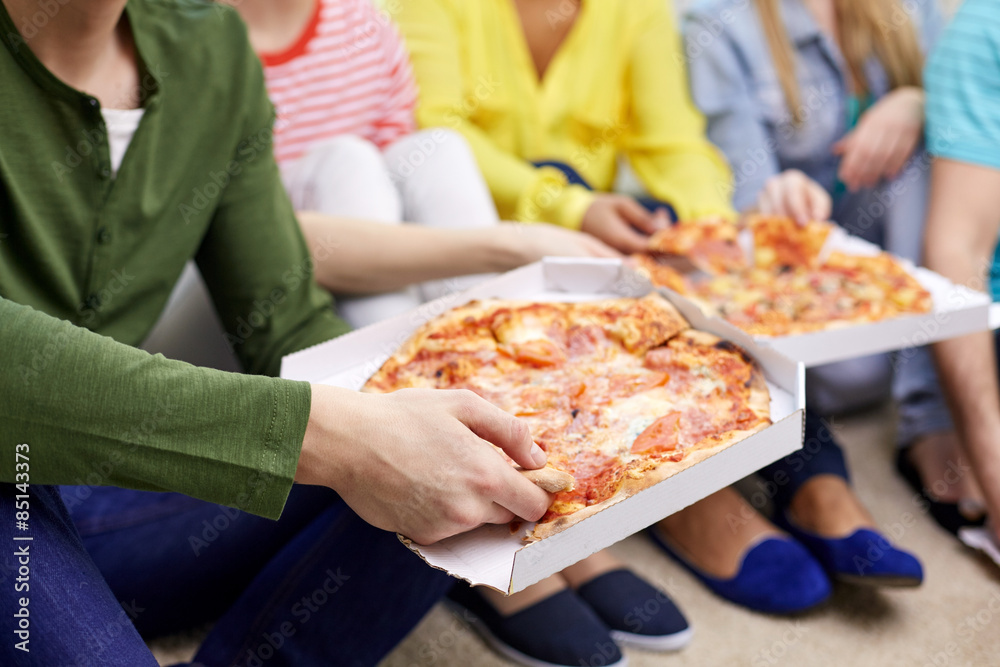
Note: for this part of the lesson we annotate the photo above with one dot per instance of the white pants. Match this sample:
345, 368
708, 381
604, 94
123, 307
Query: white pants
428, 178
189, 328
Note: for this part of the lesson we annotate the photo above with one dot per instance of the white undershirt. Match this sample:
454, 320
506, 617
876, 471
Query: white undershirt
121, 124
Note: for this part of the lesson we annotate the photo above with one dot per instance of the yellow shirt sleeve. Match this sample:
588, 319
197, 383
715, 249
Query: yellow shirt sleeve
521, 191
665, 142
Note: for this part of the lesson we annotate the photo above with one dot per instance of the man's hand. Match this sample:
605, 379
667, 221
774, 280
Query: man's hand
419, 461
792, 194
622, 222
884, 139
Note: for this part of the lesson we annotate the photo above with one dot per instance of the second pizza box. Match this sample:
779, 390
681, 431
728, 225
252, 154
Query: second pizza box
957, 311
491, 555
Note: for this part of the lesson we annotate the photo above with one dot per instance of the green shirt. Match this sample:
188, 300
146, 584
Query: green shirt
83, 254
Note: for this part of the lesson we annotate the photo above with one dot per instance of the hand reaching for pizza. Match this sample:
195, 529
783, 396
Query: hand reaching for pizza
792, 194
622, 222
419, 462
884, 139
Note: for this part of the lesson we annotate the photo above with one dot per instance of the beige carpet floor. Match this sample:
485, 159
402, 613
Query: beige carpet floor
953, 620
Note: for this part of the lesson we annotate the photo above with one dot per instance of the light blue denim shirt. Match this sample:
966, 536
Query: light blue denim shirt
734, 83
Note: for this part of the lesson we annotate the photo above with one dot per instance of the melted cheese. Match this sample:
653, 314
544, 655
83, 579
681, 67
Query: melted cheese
587, 407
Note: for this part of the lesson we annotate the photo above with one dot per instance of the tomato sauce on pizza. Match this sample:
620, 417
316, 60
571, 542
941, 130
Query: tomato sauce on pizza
789, 288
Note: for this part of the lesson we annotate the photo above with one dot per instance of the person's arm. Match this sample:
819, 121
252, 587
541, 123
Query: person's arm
665, 141
884, 139
358, 256
963, 226
962, 80
532, 194
98, 412
80, 408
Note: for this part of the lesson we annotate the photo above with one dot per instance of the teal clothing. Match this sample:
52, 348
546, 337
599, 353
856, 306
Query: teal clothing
88, 260
963, 94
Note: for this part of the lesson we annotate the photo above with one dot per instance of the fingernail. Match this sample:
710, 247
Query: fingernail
538, 456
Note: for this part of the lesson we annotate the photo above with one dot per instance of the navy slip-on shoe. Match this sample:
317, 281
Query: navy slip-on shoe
560, 631
637, 613
865, 557
946, 514
777, 576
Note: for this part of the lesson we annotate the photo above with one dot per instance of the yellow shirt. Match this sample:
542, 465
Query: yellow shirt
617, 85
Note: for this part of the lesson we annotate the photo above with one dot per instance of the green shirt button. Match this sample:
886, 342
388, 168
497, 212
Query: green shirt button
105, 172
93, 301
103, 236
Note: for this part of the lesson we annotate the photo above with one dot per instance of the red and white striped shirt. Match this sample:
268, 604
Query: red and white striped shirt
348, 73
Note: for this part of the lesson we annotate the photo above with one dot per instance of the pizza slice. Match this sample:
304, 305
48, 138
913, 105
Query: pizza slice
711, 246
660, 273
782, 242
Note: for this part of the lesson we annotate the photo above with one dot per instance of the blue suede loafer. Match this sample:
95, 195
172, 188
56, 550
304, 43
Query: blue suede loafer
637, 613
865, 557
777, 576
560, 631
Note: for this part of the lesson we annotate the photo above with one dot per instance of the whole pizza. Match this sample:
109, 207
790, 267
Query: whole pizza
787, 286
620, 393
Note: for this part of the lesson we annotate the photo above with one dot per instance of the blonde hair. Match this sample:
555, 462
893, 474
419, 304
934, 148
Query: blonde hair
866, 27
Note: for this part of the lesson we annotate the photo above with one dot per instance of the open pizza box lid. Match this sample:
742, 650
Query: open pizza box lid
491, 555
957, 311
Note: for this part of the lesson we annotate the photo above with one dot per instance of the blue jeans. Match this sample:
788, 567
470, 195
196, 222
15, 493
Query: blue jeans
922, 407
73, 617
573, 177
820, 455
319, 586
893, 215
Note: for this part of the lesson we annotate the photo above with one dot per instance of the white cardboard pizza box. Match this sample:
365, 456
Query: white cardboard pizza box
957, 311
995, 316
491, 555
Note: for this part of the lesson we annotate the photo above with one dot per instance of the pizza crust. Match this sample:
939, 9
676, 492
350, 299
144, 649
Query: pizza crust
549, 479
